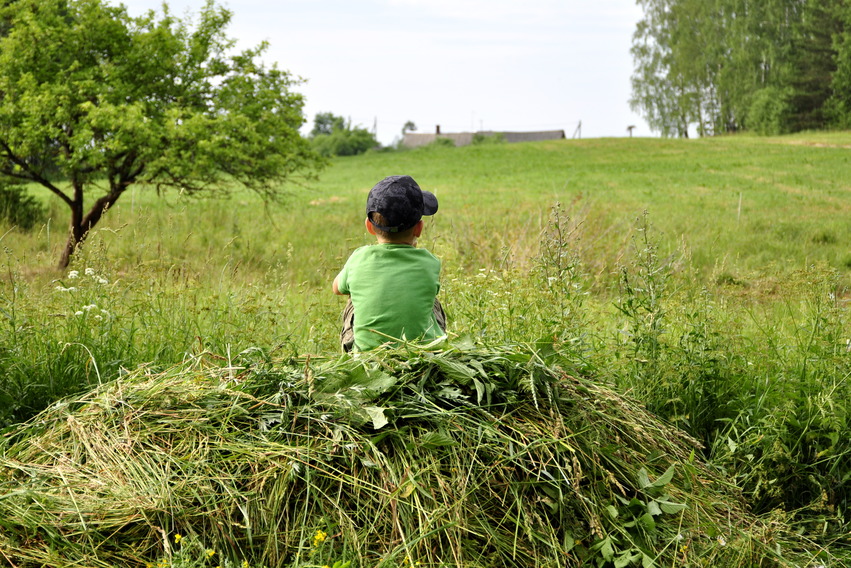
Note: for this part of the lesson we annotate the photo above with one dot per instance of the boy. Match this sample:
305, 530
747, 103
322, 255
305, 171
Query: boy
393, 284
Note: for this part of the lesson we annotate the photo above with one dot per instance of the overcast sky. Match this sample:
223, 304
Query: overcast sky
465, 65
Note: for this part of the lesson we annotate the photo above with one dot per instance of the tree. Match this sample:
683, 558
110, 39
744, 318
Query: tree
334, 136
94, 101
814, 61
327, 123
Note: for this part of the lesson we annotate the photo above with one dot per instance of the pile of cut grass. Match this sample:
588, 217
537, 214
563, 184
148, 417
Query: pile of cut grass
456, 457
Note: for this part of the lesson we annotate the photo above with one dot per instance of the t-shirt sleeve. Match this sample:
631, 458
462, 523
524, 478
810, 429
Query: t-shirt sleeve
343, 276
343, 281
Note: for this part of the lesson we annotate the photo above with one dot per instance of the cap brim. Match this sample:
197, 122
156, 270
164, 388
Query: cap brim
429, 203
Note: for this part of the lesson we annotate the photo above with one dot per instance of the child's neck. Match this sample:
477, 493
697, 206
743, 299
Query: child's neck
412, 241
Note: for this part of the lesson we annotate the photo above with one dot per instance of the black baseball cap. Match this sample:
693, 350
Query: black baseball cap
401, 202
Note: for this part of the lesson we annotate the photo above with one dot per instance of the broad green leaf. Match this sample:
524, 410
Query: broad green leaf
646, 522
670, 507
665, 478
643, 479
436, 440
623, 560
376, 413
653, 508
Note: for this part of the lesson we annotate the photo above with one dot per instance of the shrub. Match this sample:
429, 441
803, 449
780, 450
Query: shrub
769, 111
488, 138
18, 207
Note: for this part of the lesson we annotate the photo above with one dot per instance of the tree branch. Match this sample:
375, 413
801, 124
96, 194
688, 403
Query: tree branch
31, 175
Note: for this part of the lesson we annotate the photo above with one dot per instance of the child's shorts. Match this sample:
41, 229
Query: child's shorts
347, 334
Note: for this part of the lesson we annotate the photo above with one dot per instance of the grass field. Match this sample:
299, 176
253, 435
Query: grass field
707, 279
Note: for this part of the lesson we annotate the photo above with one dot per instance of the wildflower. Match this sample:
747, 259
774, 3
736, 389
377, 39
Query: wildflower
245, 564
90, 307
98, 317
319, 537
103, 281
78, 313
74, 274
90, 272
210, 553
178, 538
722, 541
64, 289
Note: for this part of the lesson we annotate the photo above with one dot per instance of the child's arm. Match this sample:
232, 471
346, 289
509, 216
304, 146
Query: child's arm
336, 286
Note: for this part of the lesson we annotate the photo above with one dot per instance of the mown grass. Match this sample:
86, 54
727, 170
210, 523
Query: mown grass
706, 278
457, 457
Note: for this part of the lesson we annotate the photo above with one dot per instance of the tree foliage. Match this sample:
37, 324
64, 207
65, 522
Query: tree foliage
335, 136
713, 67
95, 101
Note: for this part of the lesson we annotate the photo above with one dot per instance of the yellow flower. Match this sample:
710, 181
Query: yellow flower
245, 564
319, 537
210, 553
178, 538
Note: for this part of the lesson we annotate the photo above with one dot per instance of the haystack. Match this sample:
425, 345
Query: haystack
459, 457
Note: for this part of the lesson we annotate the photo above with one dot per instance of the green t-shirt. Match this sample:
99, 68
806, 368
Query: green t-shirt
392, 288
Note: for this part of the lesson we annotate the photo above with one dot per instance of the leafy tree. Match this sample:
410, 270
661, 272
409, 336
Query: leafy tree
327, 123
661, 90
94, 101
839, 104
814, 63
714, 63
334, 136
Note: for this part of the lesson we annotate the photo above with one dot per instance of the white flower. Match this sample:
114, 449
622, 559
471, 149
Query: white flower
90, 272
98, 317
64, 289
78, 313
74, 274
103, 281
722, 541
90, 307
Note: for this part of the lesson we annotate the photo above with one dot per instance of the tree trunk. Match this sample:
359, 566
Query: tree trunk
81, 225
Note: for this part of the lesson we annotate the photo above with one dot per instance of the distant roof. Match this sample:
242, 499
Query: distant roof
415, 139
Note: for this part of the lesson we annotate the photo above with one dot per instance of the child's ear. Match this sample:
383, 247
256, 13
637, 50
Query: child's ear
418, 228
370, 229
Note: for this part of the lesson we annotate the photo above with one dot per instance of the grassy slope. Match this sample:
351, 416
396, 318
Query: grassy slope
738, 205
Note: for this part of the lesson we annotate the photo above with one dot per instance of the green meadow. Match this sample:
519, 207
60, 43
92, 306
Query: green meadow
702, 284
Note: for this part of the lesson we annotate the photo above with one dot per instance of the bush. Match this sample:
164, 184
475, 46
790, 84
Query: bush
440, 142
18, 207
769, 111
488, 138
345, 142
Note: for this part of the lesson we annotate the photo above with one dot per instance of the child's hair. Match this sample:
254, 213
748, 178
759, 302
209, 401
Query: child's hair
399, 237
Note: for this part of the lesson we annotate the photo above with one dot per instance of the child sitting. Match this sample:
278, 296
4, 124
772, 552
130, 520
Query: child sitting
392, 285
